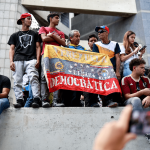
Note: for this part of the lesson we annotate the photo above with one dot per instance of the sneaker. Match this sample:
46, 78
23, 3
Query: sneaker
148, 137
35, 103
58, 105
45, 104
112, 104
19, 103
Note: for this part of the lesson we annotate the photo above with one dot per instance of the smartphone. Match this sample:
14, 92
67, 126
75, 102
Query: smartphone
140, 122
142, 48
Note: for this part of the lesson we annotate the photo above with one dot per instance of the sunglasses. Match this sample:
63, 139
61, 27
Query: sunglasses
101, 31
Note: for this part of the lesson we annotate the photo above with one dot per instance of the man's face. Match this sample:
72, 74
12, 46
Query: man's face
75, 39
103, 35
140, 70
55, 20
92, 40
27, 21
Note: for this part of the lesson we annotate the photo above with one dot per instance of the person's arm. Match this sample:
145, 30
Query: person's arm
95, 48
145, 92
114, 135
38, 54
117, 56
4, 93
124, 57
58, 39
11, 57
46, 38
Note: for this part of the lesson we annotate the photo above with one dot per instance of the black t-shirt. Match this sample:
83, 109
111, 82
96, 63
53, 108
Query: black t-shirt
4, 83
25, 45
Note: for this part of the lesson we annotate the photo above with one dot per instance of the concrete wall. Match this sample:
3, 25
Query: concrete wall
10, 11
57, 128
113, 7
138, 23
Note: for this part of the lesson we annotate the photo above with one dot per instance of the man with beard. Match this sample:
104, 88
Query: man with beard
24, 58
136, 86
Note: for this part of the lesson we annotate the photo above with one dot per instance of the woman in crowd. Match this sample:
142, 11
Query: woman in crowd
129, 51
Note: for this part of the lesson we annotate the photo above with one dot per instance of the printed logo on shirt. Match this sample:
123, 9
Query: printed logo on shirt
25, 40
131, 84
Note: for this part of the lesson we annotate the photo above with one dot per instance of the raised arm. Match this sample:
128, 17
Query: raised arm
124, 57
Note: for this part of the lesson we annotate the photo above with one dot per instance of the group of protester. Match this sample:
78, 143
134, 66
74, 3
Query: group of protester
26, 57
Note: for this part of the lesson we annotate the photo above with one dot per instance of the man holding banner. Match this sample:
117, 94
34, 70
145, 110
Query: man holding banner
69, 97
51, 36
75, 70
111, 49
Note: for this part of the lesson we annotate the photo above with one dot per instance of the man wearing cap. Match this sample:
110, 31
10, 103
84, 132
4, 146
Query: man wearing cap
50, 35
111, 49
24, 57
108, 47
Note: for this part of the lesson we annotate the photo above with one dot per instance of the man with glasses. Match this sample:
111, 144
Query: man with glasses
108, 47
136, 87
111, 49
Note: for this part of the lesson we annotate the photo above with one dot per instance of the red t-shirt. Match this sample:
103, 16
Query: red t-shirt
129, 85
46, 30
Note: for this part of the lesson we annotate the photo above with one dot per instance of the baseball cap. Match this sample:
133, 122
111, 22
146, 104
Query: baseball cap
102, 27
25, 15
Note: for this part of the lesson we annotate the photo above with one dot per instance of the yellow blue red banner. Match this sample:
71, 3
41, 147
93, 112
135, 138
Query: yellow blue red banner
79, 70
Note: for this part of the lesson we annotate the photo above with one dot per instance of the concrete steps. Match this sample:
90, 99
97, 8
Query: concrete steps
57, 128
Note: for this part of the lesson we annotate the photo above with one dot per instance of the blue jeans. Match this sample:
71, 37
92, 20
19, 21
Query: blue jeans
135, 102
4, 104
126, 70
30, 98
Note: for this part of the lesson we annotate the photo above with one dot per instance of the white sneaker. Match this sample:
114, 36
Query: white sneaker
45, 104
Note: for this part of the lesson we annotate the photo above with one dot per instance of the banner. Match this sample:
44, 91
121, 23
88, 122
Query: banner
79, 70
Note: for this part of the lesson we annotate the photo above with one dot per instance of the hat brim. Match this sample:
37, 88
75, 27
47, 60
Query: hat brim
19, 22
97, 28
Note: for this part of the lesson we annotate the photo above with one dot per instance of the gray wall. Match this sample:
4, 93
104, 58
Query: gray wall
57, 128
10, 11
138, 23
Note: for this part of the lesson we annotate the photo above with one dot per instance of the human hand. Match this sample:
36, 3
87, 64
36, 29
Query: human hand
37, 64
143, 51
114, 136
118, 76
12, 66
50, 34
146, 102
137, 49
82, 97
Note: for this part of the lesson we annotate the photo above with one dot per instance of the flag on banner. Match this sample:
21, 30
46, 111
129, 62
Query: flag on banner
79, 70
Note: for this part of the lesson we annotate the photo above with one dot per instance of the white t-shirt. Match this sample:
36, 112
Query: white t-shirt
132, 57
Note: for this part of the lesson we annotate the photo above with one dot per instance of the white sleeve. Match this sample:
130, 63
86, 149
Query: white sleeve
122, 50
